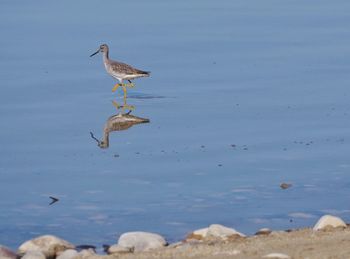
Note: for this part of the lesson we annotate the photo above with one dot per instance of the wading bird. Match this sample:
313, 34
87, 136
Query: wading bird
119, 70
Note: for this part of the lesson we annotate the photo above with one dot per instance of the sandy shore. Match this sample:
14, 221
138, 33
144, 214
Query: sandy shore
303, 243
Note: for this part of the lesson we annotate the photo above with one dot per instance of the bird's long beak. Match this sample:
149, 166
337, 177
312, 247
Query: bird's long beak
95, 53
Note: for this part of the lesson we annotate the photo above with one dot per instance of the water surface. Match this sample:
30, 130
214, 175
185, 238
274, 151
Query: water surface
243, 96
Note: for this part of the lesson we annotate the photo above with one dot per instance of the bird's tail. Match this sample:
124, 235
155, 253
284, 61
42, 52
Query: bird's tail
144, 73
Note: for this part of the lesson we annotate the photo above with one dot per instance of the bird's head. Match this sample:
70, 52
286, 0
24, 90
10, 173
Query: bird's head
102, 48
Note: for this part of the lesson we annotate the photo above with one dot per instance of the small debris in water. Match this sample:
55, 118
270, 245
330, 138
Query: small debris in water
53, 200
285, 185
116, 155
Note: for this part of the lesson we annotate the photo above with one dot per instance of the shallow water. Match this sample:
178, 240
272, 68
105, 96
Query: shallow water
243, 96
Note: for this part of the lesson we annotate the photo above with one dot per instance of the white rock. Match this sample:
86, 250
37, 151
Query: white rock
141, 241
201, 232
6, 253
277, 256
198, 234
216, 230
34, 255
118, 249
329, 221
49, 245
68, 254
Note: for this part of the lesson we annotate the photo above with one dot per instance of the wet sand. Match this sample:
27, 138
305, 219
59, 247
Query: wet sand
303, 243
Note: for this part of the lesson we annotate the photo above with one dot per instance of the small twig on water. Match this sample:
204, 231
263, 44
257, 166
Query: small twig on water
53, 200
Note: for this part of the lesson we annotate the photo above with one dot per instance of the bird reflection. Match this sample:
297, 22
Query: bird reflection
120, 121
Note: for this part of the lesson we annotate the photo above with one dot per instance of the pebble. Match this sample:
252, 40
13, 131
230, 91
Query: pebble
68, 254
34, 255
263, 231
327, 221
6, 253
226, 253
118, 249
176, 244
49, 245
277, 256
141, 241
86, 253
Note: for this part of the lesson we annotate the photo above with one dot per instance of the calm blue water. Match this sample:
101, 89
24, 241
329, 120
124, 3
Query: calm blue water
244, 95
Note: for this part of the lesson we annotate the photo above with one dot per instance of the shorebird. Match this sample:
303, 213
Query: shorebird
119, 70
118, 122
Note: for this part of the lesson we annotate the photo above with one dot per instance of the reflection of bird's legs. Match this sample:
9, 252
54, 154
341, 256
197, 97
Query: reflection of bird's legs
126, 106
124, 90
116, 105
123, 107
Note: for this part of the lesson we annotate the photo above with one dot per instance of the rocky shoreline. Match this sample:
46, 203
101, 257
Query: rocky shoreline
329, 238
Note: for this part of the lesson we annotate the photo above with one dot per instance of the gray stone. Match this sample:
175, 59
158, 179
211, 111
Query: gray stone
141, 241
68, 254
6, 253
50, 246
327, 221
34, 255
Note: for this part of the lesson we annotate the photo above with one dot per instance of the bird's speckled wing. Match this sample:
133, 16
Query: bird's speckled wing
122, 68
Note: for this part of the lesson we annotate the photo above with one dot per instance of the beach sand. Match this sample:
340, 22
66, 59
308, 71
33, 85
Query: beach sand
303, 243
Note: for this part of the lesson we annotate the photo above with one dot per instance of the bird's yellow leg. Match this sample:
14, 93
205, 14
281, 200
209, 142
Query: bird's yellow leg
131, 84
116, 87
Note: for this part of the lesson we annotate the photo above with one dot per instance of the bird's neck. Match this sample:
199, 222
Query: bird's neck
105, 139
105, 56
